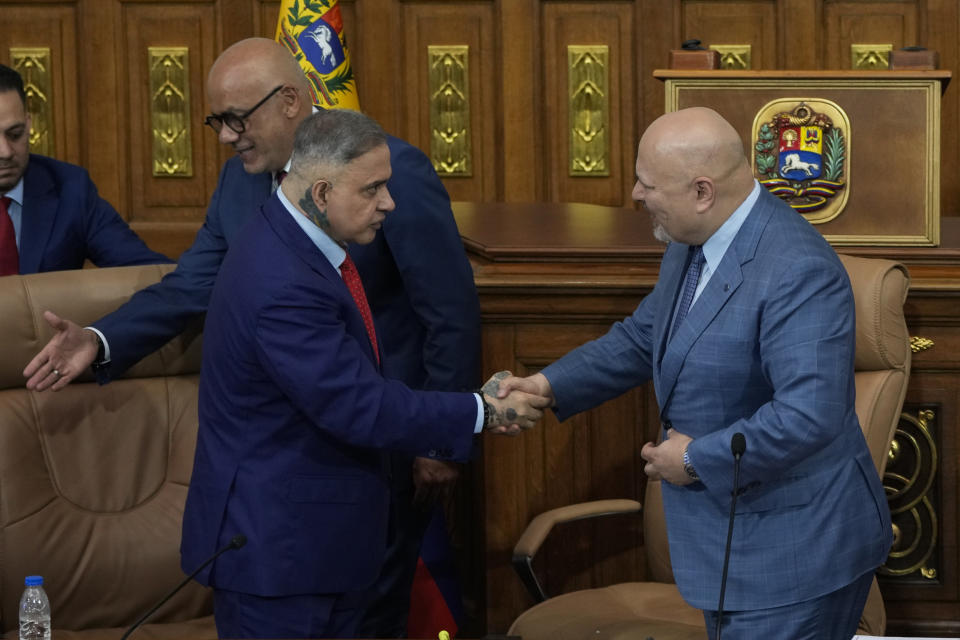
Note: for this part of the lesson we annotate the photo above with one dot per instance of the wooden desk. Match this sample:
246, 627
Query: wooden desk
552, 276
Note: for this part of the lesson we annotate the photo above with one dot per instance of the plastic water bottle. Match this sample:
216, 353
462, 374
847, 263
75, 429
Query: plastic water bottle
34, 611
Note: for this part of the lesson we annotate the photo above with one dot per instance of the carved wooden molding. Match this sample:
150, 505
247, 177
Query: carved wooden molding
589, 109
450, 147
733, 56
910, 487
170, 111
870, 56
33, 63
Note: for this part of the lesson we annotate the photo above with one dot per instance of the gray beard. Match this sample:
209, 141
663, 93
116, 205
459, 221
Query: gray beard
661, 234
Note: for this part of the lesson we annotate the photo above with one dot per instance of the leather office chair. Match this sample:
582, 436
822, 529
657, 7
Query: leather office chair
655, 608
93, 478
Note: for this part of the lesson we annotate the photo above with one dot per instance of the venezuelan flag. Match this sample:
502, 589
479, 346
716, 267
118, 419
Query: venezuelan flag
313, 32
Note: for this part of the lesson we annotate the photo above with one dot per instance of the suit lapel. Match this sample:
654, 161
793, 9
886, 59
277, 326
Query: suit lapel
302, 246
671, 274
723, 283
39, 212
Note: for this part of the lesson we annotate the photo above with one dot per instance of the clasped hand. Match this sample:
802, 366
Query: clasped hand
512, 410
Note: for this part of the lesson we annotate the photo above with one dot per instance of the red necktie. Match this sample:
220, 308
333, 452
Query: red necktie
9, 257
352, 279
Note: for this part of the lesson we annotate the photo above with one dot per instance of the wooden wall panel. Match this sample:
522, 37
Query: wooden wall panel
847, 23
518, 99
799, 34
445, 24
265, 14
53, 27
940, 30
166, 199
590, 456
599, 23
752, 23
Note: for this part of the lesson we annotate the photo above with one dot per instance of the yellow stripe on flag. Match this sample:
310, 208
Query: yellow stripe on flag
312, 30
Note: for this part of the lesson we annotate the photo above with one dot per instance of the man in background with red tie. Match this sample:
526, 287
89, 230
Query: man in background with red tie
51, 217
295, 416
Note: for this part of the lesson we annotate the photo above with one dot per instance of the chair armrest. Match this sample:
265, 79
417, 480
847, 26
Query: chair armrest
538, 529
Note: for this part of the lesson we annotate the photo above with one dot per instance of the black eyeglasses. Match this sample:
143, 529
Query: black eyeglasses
236, 121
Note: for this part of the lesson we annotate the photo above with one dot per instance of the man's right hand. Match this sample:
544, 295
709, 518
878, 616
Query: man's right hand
68, 354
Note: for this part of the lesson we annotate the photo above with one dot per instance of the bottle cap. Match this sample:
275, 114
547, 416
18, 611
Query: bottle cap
33, 581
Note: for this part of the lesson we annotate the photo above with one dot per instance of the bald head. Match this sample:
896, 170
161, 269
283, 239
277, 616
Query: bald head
691, 174
256, 62
696, 142
260, 81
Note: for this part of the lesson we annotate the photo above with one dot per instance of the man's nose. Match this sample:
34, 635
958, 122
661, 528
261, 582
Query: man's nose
386, 203
227, 135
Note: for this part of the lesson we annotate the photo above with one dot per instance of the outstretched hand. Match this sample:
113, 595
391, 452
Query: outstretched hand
68, 354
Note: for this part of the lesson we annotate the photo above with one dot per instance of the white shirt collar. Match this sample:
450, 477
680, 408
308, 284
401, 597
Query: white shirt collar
333, 252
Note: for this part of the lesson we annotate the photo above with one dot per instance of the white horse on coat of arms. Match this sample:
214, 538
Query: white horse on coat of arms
792, 162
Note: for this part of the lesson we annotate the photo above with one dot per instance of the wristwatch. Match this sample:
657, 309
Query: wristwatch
487, 410
688, 466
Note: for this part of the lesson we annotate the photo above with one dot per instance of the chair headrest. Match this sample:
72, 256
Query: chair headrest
83, 296
879, 290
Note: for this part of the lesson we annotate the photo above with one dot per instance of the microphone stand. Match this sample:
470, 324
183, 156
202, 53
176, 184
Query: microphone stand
235, 543
738, 444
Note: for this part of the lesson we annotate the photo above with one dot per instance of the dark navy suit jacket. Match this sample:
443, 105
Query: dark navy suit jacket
65, 221
415, 273
294, 416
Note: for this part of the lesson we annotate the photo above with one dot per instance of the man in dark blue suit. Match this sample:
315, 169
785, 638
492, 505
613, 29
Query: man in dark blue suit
750, 329
51, 217
295, 416
418, 279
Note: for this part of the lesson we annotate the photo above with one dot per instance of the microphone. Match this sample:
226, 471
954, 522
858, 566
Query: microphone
236, 542
738, 445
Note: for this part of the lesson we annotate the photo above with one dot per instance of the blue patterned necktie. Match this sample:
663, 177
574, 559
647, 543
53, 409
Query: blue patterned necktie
690, 281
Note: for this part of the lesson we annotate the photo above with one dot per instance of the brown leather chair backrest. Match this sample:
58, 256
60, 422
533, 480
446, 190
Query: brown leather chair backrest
881, 370
93, 478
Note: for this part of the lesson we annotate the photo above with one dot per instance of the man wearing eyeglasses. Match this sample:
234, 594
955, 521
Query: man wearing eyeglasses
51, 217
415, 274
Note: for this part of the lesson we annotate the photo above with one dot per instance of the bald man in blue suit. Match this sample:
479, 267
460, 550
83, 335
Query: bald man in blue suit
762, 344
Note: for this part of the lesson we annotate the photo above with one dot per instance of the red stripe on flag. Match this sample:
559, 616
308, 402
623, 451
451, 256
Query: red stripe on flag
429, 613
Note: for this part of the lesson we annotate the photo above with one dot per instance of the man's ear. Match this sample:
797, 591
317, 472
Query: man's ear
320, 190
291, 101
706, 193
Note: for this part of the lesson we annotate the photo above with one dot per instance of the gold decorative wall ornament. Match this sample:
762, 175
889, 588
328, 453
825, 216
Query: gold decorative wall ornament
870, 56
589, 109
918, 344
909, 484
800, 153
33, 63
170, 111
450, 148
733, 56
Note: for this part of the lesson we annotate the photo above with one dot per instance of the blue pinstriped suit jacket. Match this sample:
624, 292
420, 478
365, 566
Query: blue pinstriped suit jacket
767, 350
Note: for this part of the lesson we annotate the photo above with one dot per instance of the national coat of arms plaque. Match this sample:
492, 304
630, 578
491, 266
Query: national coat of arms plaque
801, 147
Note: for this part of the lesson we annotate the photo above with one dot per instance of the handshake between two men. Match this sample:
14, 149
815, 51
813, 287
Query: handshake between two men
514, 404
